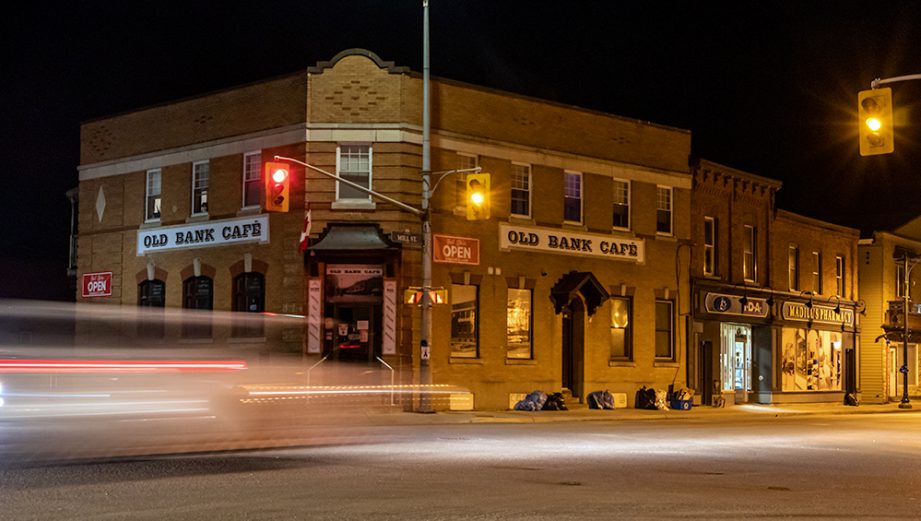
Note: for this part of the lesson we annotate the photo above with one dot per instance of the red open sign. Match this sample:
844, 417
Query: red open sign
97, 284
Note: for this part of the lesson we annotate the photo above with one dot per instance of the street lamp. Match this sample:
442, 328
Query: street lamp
906, 270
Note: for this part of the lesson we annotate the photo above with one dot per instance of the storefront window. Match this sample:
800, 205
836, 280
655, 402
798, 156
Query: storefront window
198, 294
664, 330
621, 345
151, 295
249, 297
811, 360
464, 321
518, 324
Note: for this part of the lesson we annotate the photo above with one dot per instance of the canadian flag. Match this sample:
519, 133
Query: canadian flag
305, 235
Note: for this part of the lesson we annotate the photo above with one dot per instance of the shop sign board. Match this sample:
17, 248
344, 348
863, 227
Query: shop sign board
732, 305
200, 235
554, 240
799, 311
456, 250
410, 239
97, 284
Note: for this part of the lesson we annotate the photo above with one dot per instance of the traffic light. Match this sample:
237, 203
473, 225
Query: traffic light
874, 109
477, 196
277, 183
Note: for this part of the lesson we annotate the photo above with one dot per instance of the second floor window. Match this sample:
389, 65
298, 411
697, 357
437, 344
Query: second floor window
572, 197
521, 190
793, 267
839, 276
353, 162
664, 210
621, 218
200, 174
817, 273
152, 211
750, 254
709, 246
252, 179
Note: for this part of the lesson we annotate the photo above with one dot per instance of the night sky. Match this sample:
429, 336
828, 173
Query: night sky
766, 87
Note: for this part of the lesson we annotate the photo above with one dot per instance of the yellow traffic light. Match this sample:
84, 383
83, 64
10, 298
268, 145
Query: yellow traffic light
277, 186
874, 110
477, 196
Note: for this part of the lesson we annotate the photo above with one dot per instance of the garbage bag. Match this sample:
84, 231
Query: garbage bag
645, 398
534, 401
555, 402
600, 400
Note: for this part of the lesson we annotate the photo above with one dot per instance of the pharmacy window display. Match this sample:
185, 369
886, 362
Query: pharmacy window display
811, 360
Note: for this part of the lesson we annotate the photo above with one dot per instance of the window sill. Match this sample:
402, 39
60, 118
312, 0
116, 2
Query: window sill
666, 237
468, 361
621, 363
250, 210
246, 340
622, 231
150, 224
665, 363
574, 225
196, 340
521, 219
353, 204
520, 361
197, 218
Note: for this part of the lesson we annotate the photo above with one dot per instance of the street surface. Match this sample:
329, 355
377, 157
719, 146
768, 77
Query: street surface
736, 466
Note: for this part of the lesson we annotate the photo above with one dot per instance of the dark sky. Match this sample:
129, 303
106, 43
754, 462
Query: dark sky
768, 87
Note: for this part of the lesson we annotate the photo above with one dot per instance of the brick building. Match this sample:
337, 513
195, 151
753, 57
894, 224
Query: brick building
774, 295
574, 282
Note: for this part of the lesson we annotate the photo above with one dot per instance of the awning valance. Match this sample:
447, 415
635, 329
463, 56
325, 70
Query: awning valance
578, 283
352, 237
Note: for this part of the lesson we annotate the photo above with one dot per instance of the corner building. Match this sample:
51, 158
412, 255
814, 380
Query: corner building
574, 282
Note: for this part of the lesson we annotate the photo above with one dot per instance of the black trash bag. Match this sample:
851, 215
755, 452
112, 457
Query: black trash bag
851, 399
645, 398
555, 402
600, 400
534, 401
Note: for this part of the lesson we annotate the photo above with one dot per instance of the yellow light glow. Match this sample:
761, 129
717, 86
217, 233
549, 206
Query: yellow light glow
874, 124
476, 198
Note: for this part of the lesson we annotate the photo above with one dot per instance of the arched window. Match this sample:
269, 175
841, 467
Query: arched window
151, 294
197, 293
249, 297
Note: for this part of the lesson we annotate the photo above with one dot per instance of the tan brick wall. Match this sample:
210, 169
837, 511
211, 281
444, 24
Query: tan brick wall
250, 108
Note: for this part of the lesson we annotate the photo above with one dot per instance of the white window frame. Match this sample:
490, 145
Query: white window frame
529, 189
196, 171
149, 194
817, 272
671, 209
750, 251
366, 200
627, 204
249, 179
839, 275
710, 247
793, 267
566, 176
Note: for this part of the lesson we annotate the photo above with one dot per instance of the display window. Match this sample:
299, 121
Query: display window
812, 360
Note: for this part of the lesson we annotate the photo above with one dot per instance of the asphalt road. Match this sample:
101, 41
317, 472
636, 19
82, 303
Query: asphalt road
817, 467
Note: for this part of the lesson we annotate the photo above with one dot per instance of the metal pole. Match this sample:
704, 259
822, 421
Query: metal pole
904, 404
425, 372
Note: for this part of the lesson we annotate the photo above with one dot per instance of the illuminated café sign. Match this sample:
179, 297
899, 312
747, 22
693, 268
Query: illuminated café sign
210, 233
823, 314
732, 305
554, 240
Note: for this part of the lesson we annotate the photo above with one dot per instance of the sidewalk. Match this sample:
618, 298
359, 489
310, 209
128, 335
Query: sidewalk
583, 414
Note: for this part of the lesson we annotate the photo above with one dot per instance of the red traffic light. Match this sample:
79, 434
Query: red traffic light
277, 186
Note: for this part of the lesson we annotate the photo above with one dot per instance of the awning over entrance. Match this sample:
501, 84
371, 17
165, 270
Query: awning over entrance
582, 282
353, 237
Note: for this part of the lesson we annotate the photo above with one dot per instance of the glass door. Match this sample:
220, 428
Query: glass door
736, 360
